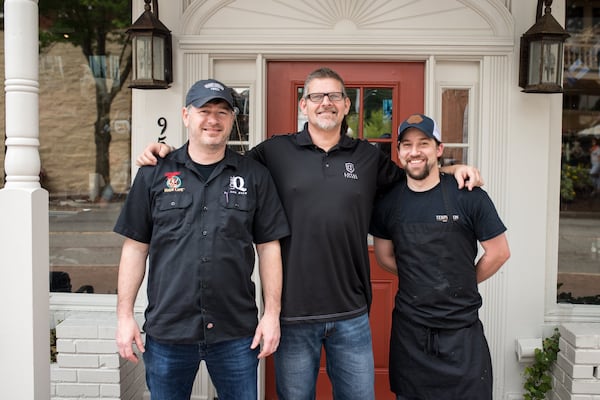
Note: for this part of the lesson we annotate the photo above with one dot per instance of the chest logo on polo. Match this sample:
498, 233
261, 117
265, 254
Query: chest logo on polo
350, 171
237, 184
173, 182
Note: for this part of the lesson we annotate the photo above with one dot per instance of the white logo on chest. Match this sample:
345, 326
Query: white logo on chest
237, 183
350, 171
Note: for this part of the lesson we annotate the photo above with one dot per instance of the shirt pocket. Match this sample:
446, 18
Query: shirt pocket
171, 212
236, 201
237, 211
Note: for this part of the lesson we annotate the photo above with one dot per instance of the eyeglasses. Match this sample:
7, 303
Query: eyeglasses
318, 97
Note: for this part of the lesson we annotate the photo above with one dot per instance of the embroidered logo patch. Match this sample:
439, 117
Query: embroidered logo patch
444, 218
173, 182
350, 171
214, 86
441, 218
237, 184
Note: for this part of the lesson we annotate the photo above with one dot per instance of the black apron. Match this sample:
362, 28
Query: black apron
438, 349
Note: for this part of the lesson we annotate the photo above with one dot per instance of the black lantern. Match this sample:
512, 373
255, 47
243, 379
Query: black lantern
152, 51
541, 61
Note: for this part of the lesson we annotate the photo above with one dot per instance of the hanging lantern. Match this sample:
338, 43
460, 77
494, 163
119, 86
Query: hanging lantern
151, 51
542, 56
541, 61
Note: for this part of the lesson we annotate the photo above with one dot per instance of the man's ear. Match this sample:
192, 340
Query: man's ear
302, 104
347, 104
440, 149
185, 116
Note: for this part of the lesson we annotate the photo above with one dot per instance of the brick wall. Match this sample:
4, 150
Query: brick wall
576, 375
88, 364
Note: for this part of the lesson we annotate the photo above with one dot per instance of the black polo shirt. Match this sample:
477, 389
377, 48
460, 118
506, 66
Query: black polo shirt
328, 198
201, 236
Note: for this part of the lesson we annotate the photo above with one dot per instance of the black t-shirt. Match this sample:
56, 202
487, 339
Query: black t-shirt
201, 235
401, 205
435, 235
328, 199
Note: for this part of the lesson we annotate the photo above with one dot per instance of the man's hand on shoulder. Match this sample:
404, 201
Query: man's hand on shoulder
148, 156
466, 175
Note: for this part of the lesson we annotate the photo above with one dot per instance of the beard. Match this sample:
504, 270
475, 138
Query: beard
327, 123
419, 175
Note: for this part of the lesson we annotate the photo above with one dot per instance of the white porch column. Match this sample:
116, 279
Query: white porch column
24, 348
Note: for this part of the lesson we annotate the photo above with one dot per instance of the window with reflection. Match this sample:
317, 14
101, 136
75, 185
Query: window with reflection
85, 140
370, 115
454, 126
240, 133
579, 228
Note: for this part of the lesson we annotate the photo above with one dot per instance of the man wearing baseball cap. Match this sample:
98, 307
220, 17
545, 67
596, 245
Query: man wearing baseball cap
426, 231
196, 216
326, 283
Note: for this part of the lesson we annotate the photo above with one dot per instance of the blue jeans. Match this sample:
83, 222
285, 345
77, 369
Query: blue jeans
349, 359
171, 368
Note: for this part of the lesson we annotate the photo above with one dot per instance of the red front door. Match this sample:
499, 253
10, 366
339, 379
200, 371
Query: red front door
398, 88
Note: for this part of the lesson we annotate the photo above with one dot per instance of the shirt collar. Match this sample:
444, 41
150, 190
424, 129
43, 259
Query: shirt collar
304, 139
181, 156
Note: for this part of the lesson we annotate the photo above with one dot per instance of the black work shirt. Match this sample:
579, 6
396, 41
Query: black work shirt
201, 235
328, 198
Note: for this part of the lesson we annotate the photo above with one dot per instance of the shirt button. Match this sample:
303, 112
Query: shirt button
204, 208
326, 165
172, 203
204, 259
210, 325
204, 233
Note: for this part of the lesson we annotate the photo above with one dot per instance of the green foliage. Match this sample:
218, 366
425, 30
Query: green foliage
352, 121
84, 23
538, 380
53, 345
573, 179
377, 124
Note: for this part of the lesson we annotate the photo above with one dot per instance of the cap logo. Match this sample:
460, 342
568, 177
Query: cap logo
214, 86
414, 119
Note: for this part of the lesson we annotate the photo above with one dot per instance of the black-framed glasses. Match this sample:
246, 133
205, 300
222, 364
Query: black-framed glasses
318, 97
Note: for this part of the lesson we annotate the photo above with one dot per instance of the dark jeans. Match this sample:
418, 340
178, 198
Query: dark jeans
349, 355
172, 368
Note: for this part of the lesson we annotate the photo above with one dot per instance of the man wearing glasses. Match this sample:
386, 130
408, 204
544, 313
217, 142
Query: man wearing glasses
327, 182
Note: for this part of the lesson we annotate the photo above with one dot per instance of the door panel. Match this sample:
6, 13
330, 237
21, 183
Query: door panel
406, 82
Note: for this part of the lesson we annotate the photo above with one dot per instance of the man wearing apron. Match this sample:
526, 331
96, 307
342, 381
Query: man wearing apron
426, 231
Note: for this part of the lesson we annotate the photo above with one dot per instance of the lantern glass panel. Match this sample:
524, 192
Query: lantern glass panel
550, 58
559, 63
143, 57
158, 56
535, 63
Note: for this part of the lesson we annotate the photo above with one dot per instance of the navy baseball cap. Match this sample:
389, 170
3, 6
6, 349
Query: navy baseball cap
422, 123
206, 90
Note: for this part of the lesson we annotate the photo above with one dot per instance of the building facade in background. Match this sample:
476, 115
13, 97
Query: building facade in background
456, 60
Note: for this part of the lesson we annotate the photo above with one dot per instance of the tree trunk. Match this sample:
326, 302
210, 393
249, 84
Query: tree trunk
102, 136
